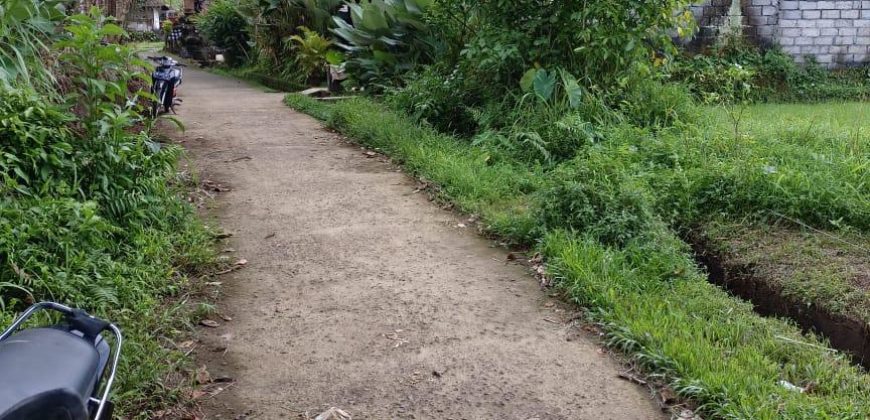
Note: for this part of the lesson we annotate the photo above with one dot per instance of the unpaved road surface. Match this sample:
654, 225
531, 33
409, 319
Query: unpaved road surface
361, 294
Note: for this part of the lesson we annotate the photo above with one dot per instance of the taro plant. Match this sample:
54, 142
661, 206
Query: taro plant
549, 86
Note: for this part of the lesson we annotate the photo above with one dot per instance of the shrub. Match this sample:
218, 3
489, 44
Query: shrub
312, 51
37, 154
271, 24
599, 198
774, 75
598, 42
146, 36
223, 25
438, 100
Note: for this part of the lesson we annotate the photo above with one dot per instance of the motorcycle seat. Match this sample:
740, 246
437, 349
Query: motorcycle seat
46, 373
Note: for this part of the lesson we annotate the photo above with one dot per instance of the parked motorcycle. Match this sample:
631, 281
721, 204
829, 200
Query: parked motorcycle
58, 372
165, 80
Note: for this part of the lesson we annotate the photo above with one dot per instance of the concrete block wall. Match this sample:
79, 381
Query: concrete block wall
835, 32
712, 19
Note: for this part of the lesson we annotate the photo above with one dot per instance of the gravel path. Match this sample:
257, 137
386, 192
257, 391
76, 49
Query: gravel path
361, 294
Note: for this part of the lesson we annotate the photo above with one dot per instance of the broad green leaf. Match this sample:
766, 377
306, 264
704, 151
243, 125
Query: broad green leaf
572, 89
374, 20
334, 57
544, 84
528, 79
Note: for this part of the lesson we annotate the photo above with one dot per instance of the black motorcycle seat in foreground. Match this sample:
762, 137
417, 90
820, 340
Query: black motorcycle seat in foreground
46, 367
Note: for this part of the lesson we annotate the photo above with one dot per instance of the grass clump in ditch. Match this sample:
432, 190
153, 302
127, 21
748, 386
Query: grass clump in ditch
813, 268
608, 222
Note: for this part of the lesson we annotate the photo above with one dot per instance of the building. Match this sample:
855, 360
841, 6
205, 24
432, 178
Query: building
146, 16
835, 33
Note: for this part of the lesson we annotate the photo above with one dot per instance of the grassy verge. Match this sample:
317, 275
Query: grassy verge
644, 288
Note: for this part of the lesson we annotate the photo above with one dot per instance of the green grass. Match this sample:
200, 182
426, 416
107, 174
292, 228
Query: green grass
830, 116
830, 270
640, 281
829, 146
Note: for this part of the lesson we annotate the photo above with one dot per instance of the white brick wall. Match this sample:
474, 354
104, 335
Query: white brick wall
836, 32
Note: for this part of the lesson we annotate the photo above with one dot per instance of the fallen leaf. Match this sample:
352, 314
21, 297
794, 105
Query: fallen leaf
667, 396
333, 413
631, 378
209, 323
242, 262
226, 318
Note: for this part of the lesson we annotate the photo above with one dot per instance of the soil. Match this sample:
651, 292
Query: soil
361, 294
844, 331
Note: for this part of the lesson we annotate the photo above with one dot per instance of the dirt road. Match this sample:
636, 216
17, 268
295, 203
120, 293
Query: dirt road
361, 294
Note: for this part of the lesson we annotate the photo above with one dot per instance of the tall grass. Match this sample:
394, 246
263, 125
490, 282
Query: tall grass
26, 29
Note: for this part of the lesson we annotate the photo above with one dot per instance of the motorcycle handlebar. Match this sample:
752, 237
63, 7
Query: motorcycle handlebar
155, 58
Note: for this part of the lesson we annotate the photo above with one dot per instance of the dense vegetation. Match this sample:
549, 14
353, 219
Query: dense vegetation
90, 210
578, 129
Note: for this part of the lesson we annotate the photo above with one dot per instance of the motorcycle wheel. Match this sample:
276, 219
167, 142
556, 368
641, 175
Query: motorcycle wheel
167, 96
157, 91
